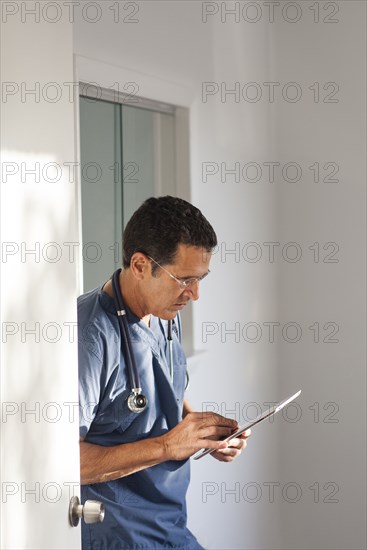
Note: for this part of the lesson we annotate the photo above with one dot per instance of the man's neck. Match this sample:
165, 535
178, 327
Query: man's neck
129, 296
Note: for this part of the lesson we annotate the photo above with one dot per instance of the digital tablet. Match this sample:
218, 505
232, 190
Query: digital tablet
270, 412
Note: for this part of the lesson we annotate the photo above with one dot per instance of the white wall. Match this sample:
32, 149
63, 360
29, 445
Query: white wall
169, 52
330, 451
235, 372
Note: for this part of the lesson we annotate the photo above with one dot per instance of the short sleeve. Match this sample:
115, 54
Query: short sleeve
90, 368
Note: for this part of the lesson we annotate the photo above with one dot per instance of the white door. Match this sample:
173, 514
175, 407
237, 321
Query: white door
39, 281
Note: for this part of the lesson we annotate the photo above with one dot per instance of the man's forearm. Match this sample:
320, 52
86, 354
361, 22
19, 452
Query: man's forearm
196, 431
99, 464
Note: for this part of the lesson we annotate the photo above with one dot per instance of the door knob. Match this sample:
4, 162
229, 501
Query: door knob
92, 512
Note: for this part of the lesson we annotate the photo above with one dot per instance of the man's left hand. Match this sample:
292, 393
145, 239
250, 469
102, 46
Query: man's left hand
237, 445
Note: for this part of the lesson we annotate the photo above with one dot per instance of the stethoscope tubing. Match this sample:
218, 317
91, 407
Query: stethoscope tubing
126, 341
121, 315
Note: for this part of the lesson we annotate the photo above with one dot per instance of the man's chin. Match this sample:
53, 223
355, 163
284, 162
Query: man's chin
170, 313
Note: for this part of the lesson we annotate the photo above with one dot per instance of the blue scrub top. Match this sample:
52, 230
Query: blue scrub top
145, 510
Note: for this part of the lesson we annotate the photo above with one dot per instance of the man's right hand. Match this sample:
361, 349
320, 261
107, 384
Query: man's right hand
198, 430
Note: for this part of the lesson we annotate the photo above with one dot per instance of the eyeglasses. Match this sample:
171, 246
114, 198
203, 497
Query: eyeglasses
184, 283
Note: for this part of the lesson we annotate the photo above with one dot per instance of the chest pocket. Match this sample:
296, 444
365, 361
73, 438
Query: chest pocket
113, 418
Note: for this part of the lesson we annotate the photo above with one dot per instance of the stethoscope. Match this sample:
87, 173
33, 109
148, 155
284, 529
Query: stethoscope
136, 401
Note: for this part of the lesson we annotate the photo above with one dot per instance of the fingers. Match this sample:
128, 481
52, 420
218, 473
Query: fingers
236, 446
230, 448
215, 432
214, 419
226, 455
237, 443
214, 427
245, 434
206, 430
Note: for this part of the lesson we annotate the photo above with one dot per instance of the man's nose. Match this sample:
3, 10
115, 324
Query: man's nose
193, 291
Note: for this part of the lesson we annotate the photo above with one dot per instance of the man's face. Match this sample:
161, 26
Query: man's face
163, 295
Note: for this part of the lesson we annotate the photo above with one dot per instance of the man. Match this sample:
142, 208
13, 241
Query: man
136, 463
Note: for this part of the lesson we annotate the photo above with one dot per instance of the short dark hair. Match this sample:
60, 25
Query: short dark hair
162, 223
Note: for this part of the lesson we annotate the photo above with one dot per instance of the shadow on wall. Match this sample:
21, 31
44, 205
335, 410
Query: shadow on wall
39, 374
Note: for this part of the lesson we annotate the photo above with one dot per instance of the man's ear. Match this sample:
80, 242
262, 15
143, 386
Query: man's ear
140, 265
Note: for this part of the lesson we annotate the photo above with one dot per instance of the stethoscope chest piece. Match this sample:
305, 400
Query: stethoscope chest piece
137, 402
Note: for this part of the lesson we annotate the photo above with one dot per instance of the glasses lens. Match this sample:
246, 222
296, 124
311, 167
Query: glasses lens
187, 282
184, 283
